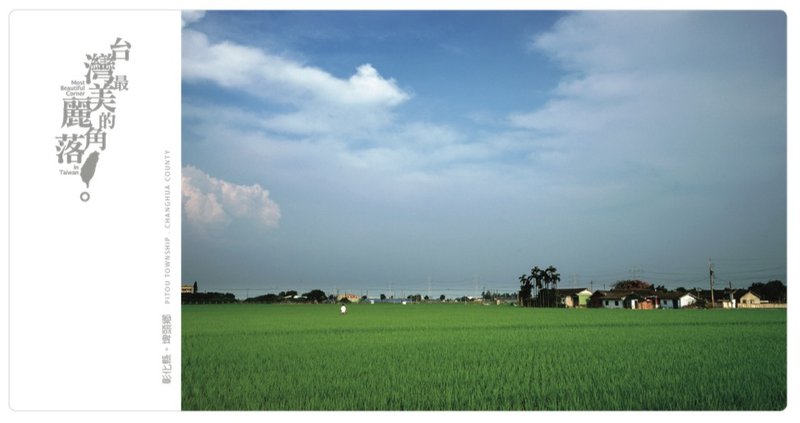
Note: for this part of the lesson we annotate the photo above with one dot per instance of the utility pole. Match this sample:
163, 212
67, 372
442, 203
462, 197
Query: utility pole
711, 280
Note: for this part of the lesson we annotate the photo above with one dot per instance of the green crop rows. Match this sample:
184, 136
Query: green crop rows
459, 357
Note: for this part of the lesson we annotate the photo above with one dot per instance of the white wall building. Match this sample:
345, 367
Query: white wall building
614, 300
676, 300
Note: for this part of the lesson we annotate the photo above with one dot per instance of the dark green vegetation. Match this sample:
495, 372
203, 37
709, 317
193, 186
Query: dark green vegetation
472, 357
544, 278
772, 291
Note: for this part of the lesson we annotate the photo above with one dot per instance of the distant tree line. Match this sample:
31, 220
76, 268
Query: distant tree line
505, 296
772, 291
314, 296
207, 298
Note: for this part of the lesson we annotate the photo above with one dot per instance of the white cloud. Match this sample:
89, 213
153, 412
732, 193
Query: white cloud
211, 204
682, 97
322, 103
624, 123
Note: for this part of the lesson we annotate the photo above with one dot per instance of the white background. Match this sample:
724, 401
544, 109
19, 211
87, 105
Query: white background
86, 278
97, 321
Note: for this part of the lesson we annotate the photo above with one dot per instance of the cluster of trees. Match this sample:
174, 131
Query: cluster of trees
207, 298
489, 295
541, 281
636, 284
313, 296
772, 291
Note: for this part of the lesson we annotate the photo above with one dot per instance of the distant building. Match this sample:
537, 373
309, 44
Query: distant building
353, 298
743, 298
675, 299
637, 299
573, 297
596, 300
747, 299
189, 288
732, 298
615, 299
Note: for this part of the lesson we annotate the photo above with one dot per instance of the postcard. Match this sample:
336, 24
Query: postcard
499, 209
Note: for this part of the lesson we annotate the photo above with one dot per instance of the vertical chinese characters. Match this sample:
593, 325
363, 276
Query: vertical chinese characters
89, 112
166, 339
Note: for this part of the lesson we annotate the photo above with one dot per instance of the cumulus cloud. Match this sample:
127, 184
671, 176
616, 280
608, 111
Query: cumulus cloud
322, 103
211, 204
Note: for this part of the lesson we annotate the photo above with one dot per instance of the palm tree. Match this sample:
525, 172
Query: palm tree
543, 278
537, 274
553, 277
548, 293
525, 289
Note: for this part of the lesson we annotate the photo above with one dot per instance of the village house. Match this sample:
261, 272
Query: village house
732, 298
573, 297
616, 299
648, 299
636, 299
746, 299
675, 299
596, 300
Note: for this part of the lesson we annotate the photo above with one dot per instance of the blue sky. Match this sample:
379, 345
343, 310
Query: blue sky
390, 151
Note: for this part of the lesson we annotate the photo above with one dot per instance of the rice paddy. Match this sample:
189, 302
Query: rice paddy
473, 357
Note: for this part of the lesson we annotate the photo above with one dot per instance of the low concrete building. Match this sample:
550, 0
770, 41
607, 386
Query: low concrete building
614, 299
675, 299
747, 299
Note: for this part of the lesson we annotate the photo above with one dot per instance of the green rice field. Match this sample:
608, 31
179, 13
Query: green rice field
473, 357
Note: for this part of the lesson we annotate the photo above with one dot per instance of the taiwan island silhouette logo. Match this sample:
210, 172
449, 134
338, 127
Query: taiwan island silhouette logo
90, 113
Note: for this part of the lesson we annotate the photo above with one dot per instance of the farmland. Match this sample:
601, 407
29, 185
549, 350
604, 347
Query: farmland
472, 357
